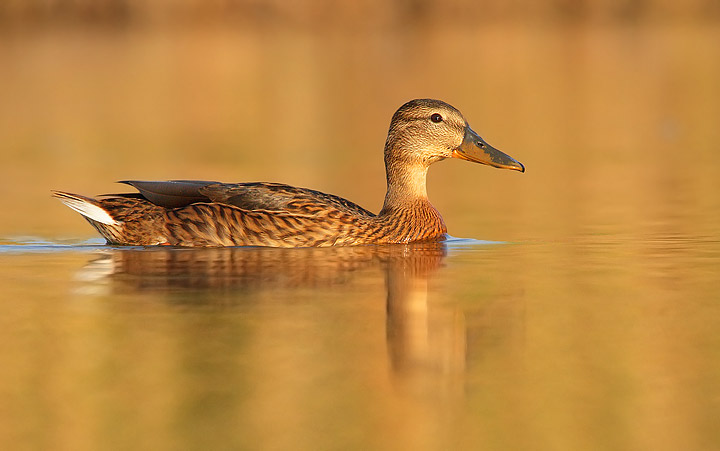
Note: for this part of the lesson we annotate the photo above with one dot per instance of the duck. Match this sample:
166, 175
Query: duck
195, 213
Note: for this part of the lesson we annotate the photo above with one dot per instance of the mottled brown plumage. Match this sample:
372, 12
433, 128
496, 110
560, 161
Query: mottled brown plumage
204, 213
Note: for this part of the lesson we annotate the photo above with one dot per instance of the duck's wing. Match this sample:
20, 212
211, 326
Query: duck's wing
171, 193
278, 197
247, 196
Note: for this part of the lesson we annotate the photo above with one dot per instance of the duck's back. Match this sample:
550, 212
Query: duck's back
255, 214
205, 213
247, 196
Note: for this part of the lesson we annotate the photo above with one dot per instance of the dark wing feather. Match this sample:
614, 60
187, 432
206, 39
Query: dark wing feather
172, 193
247, 196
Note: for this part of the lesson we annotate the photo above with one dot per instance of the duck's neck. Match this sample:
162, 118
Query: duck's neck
406, 187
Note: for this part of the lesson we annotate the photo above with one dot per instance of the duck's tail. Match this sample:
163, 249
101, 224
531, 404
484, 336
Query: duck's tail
120, 220
86, 206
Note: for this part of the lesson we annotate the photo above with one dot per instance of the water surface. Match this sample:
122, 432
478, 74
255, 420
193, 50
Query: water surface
461, 343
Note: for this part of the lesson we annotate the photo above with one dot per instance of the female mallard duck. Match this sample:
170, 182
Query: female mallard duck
200, 213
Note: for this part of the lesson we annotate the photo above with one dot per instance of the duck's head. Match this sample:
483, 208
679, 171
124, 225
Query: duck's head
424, 131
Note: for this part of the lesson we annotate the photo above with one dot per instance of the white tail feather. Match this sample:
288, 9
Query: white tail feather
86, 208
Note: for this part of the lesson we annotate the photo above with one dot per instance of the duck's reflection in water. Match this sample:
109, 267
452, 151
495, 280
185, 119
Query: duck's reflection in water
426, 342
422, 340
228, 269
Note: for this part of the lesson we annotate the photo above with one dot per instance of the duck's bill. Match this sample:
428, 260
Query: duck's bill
474, 148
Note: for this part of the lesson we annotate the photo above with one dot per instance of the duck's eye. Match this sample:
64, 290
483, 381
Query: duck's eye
436, 118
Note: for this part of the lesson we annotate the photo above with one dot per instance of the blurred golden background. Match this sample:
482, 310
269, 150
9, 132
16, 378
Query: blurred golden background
612, 106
